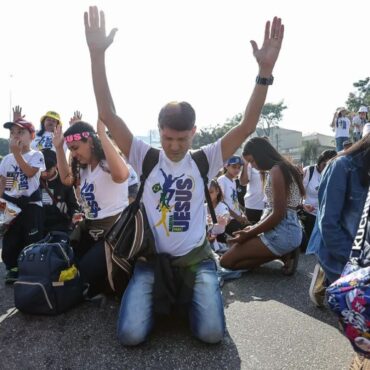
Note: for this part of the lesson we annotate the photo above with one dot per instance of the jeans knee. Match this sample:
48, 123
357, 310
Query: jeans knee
211, 335
130, 337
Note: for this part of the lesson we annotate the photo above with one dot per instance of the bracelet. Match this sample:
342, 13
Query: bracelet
264, 81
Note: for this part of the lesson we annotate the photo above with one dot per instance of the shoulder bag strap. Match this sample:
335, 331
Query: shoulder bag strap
150, 160
201, 161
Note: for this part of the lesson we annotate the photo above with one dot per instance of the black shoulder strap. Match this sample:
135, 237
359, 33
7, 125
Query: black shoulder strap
150, 160
311, 169
201, 161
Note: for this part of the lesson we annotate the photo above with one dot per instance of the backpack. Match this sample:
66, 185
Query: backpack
48, 282
131, 236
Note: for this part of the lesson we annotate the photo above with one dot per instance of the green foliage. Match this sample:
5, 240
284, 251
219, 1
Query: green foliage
310, 152
4, 147
211, 134
361, 96
271, 116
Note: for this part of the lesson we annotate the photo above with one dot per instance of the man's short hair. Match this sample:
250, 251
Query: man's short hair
178, 116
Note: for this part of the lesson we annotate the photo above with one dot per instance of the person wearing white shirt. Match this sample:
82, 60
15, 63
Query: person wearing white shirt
20, 180
44, 137
101, 173
311, 182
254, 199
228, 186
341, 126
174, 191
359, 122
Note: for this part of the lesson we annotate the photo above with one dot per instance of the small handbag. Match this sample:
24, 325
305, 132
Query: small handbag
349, 296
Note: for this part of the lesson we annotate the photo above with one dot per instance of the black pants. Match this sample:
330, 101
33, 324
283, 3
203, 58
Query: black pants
27, 228
308, 222
92, 264
253, 215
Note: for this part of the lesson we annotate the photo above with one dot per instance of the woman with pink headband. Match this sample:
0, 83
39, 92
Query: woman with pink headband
101, 173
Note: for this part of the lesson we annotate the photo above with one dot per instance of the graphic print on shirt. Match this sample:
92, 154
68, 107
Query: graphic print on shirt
16, 179
46, 142
89, 204
178, 191
234, 198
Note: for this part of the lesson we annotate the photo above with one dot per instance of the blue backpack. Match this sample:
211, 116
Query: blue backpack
48, 282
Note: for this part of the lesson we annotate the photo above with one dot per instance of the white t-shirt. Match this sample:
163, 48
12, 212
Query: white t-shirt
228, 188
174, 197
45, 142
101, 196
358, 124
254, 197
342, 126
132, 177
17, 183
312, 188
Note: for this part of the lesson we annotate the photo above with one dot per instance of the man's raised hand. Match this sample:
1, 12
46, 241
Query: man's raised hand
266, 56
96, 38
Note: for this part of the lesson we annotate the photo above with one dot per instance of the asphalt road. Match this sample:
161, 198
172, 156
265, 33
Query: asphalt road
271, 324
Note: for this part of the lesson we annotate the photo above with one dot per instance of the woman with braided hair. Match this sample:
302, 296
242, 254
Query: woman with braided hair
101, 173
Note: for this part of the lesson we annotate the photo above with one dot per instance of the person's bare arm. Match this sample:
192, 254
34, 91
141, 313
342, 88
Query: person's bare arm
266, 58
244, 180
65, 172
117, 166
279, 196
98, 42
15, 148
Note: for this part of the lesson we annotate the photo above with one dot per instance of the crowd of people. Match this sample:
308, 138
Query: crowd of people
79, 181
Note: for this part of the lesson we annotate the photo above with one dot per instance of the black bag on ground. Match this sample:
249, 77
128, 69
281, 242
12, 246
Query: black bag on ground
48, 283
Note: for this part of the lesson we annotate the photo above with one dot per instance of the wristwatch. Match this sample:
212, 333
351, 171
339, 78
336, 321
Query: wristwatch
264, 81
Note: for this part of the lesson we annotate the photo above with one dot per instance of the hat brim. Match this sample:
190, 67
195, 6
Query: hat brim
9, 125
46, 116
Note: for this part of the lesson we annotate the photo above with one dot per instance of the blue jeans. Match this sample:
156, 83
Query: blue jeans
339, 142
206, 311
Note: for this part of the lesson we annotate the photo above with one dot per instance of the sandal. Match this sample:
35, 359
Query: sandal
290, 261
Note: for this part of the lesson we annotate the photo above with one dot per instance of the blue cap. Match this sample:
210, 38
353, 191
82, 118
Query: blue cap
235, 159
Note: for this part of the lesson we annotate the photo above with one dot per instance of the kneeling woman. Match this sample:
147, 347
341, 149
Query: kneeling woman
101, 174
279, 232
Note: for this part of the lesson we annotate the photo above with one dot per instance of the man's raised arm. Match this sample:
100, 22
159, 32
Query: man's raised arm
266, 58
98, 42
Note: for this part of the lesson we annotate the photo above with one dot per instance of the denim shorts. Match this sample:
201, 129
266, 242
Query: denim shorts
284, 237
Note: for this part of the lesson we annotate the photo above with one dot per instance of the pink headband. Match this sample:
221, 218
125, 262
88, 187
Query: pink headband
77, 137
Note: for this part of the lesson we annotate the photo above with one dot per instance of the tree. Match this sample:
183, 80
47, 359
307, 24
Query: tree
212, 134
310, 151
4, 147
271, 116
361, 96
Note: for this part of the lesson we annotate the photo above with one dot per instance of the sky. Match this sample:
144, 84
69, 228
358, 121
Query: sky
193, 50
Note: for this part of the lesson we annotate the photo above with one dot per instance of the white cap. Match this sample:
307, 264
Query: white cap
362, 109
366, 129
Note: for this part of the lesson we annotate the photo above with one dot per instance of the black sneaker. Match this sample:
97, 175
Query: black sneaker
11, 276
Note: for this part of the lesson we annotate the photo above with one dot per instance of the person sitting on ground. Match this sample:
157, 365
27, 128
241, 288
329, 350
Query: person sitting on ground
279, 232
44, 137
342, 193
174, 191
311, 182
254, 198
101, 173
58, 200
20, 172
216, 233
228, 186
